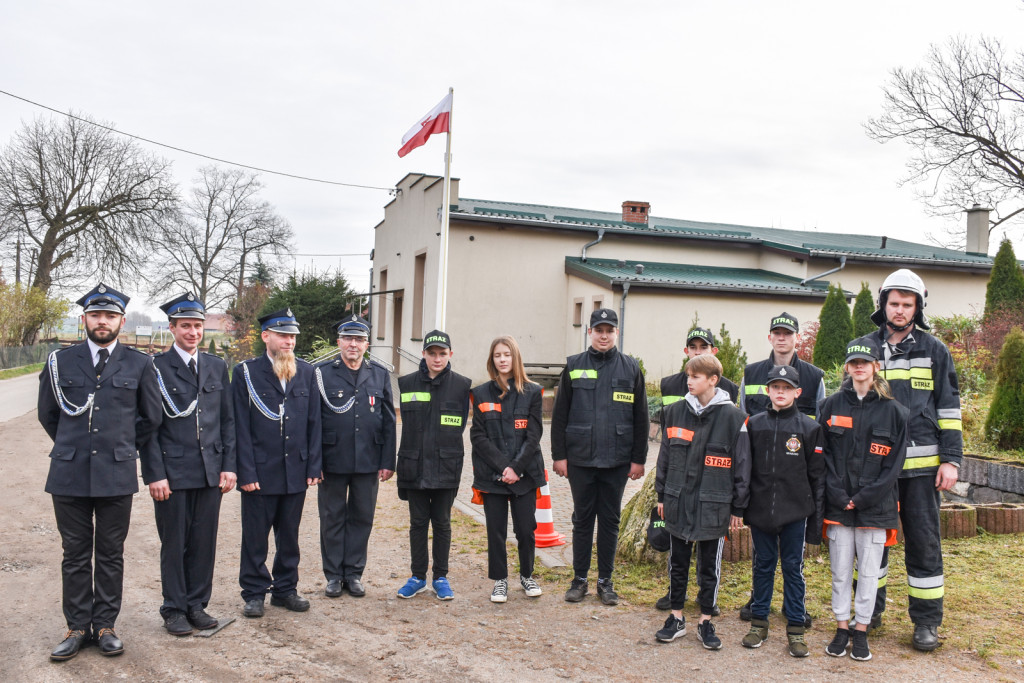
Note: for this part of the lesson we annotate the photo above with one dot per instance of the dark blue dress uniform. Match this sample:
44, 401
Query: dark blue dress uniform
279, 454
194, 444
93, 471
358, 420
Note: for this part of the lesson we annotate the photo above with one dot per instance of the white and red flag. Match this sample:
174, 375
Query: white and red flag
437, 120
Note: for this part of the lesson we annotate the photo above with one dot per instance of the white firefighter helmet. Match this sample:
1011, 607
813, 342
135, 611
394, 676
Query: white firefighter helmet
904, 280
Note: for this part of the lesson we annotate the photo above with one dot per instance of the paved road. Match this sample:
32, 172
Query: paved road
18, 396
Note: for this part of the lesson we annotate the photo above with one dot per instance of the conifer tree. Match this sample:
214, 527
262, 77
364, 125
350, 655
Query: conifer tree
863, 307
1005, 424
836, 329
731, 355
1006, 284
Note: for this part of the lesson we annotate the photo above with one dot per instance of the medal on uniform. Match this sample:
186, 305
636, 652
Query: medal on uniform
372, 402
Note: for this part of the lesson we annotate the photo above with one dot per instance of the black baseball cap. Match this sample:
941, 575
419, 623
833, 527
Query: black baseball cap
701, 333
437, 338
786, 321
784, 373
604, 316
864, 348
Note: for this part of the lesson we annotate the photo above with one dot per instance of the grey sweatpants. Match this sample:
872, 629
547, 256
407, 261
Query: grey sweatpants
845, 544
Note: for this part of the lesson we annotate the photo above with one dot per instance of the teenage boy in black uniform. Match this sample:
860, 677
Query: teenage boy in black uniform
358, 421
435, 407
277, 420
782, 331
189, 465
598, 439
100, 404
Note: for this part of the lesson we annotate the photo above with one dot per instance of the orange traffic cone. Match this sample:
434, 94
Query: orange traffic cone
546, 536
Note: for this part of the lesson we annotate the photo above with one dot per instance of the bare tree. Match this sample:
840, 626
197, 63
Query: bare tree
963, 115
222, 226
84, 197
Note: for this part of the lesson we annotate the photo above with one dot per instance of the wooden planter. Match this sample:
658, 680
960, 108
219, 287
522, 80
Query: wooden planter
958, 520
738, 546
1001, 518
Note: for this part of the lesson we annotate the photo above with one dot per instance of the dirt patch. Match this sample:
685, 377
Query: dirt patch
378, 637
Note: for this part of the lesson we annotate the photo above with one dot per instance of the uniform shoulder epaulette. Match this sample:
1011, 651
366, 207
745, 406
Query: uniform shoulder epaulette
378, 364
207, 353
303, 360
132, 348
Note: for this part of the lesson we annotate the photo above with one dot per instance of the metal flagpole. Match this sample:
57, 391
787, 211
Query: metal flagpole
442, 281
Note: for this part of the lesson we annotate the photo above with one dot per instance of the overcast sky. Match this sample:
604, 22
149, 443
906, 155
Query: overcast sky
737, 112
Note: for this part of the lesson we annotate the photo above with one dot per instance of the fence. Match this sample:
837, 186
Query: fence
16, 356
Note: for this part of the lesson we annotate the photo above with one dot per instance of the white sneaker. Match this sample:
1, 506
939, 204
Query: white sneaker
531, 587
500, 592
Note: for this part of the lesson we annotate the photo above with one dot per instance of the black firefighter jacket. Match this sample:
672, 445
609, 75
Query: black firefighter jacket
787, 472
94, 453
434, 414
506, 432
191, 452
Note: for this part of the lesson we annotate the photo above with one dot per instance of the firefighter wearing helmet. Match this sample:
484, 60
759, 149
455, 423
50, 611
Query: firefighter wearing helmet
919, 369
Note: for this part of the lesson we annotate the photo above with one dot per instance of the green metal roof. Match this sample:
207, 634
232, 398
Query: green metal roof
808, 243
681, 276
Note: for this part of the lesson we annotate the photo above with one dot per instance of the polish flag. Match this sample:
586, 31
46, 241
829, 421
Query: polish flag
436, 121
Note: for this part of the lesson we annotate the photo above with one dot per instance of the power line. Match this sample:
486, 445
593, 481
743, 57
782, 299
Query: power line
389, 190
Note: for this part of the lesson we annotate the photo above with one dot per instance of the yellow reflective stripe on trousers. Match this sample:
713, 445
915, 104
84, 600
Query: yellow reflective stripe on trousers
957, 425
925, 593
927, 588
585, 373
416, 396
669, 400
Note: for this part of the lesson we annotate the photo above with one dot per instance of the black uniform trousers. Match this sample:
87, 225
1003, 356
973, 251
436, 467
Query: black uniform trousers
431, 507
92, 597
709, 569
346, 503
922, 548
187, 524
260, 514
596, 495
524, 523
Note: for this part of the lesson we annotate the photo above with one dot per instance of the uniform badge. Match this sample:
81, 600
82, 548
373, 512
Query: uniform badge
373, 401
604, 315
191, 296
288, 312
101, 289
341, 392
782, 373
793, 445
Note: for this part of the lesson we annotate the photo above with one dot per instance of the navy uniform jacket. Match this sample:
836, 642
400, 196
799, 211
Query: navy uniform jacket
94, 454
362, 439
278, 455
191, 452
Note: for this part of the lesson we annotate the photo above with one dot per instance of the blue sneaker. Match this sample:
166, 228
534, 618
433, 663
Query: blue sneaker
443, 589
412, 588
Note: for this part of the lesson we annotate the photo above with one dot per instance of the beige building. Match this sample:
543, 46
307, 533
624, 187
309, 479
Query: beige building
536, 272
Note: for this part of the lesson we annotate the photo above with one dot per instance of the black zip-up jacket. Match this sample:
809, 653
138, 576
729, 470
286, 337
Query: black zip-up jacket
506, 432
865, 446
787, 472
923, 378
600, 417
434, 414
703, 471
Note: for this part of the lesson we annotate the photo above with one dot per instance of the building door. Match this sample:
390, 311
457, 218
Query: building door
396, 337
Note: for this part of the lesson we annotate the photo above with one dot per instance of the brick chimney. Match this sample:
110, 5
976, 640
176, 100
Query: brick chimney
977, 229
635, 212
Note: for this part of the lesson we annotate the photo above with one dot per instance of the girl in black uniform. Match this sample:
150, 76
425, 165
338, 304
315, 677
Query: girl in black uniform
865, 445
507, 464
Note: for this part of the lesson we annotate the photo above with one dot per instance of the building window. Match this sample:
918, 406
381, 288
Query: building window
417, 300
598, 304
382, 305
577, 313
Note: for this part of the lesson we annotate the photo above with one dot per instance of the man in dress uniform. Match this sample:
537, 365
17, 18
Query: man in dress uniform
189, 465
358, 450
100, 404
277, 424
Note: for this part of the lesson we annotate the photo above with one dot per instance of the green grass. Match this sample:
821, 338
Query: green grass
33, 369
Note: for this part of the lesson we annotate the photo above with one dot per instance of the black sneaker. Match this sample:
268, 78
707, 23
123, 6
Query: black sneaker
674, 628
664, 603
606, 592
837, 648
860, 649
706, 634
745, 613
577, 590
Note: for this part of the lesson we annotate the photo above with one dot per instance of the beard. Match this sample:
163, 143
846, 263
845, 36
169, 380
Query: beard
101, 337
284, 365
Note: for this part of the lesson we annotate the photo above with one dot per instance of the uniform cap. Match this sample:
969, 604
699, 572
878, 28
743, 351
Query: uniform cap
701, 333
604, 316
282, 321
863, 347
784, 373
353, 326
185, 306
103, 298
785, 321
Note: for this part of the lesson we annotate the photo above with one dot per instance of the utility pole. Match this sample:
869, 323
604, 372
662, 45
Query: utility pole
17, 262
